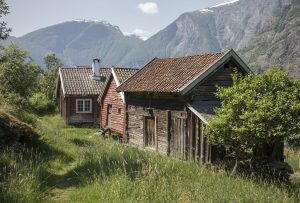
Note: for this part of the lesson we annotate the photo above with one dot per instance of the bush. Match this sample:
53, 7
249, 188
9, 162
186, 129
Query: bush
27, 117
41, 104
258, 112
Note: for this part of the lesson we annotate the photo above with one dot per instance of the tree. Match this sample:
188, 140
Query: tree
52, 61
257, 111
18, 73
48, 81
4, 10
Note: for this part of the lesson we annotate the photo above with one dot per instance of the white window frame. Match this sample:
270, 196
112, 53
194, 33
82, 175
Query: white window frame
84, 100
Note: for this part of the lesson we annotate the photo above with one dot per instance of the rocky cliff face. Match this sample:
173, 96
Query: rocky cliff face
278, 42
250, 27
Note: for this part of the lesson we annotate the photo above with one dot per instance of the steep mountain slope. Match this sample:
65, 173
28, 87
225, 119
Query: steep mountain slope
77, 42
264, 33
230, 25
278, 43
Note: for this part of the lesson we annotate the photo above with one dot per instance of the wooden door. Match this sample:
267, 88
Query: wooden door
108, 116
150, 132
179, 141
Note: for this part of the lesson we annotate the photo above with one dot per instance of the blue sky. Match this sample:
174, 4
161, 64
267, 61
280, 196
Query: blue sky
144, 18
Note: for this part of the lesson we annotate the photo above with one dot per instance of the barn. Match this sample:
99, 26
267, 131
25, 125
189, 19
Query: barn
170, 101
77, 92
112, 102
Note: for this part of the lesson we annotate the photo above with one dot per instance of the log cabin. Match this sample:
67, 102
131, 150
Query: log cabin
111, 102
170, 101
77, 91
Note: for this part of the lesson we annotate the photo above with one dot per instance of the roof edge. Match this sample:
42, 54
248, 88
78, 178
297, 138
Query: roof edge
114, 74
230, 53
62, 82
196, 113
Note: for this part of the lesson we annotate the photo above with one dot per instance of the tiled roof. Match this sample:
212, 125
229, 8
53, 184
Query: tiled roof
169, 74
78, 81
124, 73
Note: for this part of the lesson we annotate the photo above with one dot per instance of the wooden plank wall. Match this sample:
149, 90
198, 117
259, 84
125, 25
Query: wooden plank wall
196, 145
77, 118
140, 106
170, 135
112, 97
206, 91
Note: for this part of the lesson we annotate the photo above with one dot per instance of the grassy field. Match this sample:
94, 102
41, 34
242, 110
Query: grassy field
78, 166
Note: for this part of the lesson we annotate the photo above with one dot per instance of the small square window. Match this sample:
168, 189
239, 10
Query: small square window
119, 110
83, 105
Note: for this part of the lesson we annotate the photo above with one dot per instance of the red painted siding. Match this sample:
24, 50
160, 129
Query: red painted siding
112, 97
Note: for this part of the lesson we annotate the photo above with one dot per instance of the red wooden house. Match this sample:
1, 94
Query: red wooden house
112, 102
77, 91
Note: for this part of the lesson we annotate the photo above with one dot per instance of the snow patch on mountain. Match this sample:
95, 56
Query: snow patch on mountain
205, 10
225, 3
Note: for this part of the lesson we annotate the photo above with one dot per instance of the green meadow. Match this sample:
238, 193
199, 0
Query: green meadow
75, 165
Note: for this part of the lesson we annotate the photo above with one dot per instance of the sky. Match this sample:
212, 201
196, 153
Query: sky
143, 18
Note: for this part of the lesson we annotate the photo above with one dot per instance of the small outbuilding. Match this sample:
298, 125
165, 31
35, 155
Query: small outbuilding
77, 91
112, 102
170, 101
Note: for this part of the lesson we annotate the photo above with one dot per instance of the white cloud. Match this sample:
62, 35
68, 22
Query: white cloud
144, 35
148, 7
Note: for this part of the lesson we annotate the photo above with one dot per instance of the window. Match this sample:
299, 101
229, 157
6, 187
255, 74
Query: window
83, 105
119, 110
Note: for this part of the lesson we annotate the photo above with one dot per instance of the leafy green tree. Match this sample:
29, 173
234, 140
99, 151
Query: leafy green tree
4, 10
48, 81
52, 61
18, 74
257, 111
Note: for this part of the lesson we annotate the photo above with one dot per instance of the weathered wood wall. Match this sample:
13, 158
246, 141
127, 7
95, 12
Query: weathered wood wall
112, 97
206, 90
144, 105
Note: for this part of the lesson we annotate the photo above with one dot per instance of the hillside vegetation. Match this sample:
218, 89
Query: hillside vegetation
76, 165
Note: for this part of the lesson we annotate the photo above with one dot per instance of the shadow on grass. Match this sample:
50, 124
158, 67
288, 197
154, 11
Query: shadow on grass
106, 166
81, 143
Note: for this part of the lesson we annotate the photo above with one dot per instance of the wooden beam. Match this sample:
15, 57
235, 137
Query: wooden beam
201, 144
196, 139
155, 132
207, 150
169, 124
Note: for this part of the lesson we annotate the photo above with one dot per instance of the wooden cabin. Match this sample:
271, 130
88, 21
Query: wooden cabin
77, 91
112, 102
170, 100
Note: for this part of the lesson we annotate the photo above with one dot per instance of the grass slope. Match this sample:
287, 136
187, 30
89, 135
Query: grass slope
77, 166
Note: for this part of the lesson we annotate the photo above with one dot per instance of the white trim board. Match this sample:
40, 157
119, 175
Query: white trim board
117, 83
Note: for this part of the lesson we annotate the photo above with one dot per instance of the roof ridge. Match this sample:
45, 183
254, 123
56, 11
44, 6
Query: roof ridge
82, 67
204, 54
125, 68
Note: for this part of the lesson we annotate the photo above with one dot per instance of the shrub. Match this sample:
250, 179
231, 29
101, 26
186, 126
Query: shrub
258, 112
41, 104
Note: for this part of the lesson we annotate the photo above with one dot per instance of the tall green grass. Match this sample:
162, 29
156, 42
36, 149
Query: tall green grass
77, 166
